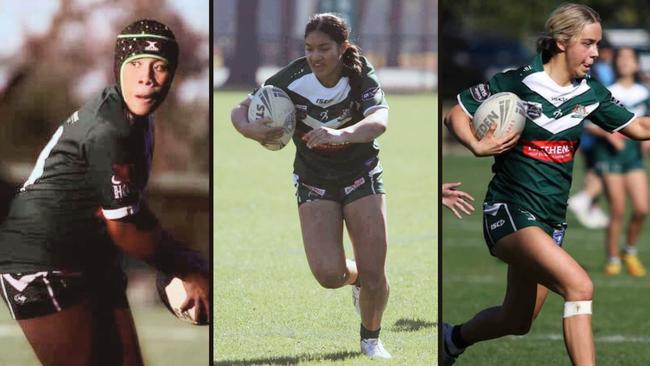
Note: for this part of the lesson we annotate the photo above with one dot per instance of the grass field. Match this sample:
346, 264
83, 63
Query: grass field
473, 280
269, 310
164, 340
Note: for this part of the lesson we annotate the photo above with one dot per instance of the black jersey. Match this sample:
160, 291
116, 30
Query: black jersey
337, 107
96, 164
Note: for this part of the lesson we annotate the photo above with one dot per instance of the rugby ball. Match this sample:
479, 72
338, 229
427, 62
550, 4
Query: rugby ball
505, 109
271, 101
172, 294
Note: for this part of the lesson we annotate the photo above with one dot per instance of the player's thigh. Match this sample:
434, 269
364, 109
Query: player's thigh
636, 184
321, 223
365, 220
62, 338
524, 296
550, 265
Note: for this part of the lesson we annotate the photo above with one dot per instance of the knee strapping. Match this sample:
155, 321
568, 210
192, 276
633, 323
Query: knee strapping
573, 308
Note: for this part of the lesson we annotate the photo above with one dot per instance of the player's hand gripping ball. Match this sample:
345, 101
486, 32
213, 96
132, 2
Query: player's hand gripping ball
172, 294
272, 102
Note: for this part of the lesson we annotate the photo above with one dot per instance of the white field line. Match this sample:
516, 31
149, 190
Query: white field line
614, 338
145, 333
501, 281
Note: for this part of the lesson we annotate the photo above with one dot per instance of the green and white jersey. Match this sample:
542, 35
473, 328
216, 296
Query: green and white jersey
336, 107
536, 173
96, 164
636, 99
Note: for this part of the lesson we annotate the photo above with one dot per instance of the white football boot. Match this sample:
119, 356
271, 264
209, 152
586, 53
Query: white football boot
356, 290
373, 348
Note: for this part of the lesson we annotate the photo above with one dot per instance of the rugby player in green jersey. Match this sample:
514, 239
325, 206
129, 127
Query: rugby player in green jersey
525, 204
83, 205
619, 162
341, 110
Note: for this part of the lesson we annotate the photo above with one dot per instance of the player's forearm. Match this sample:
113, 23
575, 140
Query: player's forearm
368, 129
638, 129
458, 123
145, 239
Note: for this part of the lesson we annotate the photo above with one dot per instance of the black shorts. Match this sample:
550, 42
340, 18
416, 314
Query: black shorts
501, 219
35, 294
341, 192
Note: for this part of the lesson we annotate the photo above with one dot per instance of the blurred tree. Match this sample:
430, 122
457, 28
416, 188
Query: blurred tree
288, 8
245, 61
395, 33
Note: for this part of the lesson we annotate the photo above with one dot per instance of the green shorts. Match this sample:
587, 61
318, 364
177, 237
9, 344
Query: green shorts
610, 161
343, 192
501, 219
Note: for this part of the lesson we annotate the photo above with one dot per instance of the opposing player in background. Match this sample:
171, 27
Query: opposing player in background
619, 162
341, 110
525, 205
83, 206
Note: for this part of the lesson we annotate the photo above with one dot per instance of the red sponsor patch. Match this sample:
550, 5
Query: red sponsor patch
552, 151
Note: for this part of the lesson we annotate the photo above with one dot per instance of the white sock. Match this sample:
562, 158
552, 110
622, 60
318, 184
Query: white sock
614, 260
629, 249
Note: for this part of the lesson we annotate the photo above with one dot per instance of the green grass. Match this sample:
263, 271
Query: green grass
269, 310
473, 280
164, 340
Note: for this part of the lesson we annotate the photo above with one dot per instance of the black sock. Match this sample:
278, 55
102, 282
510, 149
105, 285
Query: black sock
458, 340
365, 333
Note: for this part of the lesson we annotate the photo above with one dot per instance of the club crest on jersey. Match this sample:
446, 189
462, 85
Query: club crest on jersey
301, 112
152, 46
533, 109
480, 92
121, 180
579, 111
369, 94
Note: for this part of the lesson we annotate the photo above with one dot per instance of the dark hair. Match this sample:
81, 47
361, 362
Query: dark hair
617, 52
564, 23
335, 27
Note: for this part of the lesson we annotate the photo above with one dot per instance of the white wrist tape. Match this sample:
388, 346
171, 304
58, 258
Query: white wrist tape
573, 308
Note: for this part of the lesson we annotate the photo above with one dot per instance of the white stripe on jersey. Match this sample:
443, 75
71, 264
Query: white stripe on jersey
119, 213
311, 89
555, 125
40, 162
542, 84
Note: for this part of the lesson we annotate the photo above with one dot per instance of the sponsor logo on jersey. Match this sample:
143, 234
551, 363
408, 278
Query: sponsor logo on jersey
560, 99
323, 101
533, 109
480, 92
579, 111
121, 180
351, 188
152, 46
561, 151
497, 224
324, 116
617, 102
370, 94
558, 236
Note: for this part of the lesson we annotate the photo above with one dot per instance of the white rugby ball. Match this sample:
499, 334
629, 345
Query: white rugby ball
505, 109
271, 101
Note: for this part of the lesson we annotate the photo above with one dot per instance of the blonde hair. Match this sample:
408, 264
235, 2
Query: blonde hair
564, 23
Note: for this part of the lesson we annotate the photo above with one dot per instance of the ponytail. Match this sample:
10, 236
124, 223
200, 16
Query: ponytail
353, 67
